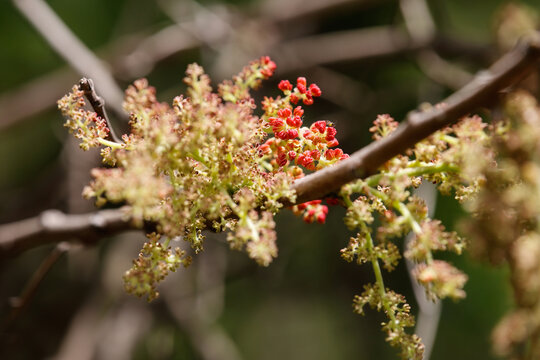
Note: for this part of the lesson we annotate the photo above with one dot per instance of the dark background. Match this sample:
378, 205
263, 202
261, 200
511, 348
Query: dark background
300, 306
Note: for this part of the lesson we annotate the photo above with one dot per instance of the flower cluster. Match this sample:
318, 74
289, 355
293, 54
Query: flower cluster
410, 345
154, 263
205, 162
443, 159
85, 125
208, 162
294, 148
506, 227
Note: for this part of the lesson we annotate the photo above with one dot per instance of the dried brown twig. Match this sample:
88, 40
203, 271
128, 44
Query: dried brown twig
19, 303
97, 103
481, 91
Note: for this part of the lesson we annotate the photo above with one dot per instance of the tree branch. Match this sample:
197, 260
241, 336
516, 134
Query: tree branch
53, 226
67, 45
19, 303
482, 90
97, 103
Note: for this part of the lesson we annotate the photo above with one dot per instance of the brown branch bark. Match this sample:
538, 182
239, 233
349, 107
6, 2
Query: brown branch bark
97, 103
54, 226
482, 90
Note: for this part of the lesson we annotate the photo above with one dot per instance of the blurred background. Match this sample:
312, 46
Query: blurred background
368, 57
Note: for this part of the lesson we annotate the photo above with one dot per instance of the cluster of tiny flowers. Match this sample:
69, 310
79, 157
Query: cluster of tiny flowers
312, 211
410, 345
295, 148
205, 162
208, 162
443, 159
505, 227
154, 263
85, 125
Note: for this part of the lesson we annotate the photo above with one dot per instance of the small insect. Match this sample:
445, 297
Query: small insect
330, 123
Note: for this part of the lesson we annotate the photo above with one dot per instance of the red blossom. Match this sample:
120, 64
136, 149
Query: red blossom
268, 66
292, 133
314, 90
313, 211
315, 154
265, 149
283, 113
292, 155
308, 100
282, 159
320, 126
295, 122
332, 143
330, 133
285, 85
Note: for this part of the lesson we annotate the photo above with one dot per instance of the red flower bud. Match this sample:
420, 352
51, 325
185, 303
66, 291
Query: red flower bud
268, 66
320, 126
332, 143
292, 133
308, 100
281, 134
330, 132
295, 122
283, 113
302, 206
291, 155
294, 99
307, 134
264, 149
298, 111
282, 159
285, 85
315, 90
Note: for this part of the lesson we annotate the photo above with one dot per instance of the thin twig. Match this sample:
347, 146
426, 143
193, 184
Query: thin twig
20, 302
291, 10
340, 46
97, 103
421, 28
67, 45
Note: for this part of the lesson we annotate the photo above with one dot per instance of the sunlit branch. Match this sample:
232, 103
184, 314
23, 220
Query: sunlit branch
418, 125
